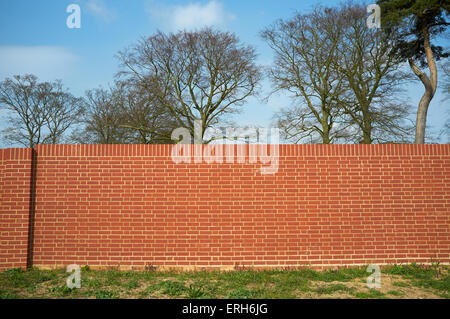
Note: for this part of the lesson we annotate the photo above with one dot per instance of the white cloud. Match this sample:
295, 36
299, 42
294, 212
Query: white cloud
46, 62
99, 9
192, 16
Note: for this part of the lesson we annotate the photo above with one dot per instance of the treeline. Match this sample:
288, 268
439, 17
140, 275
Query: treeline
346, 82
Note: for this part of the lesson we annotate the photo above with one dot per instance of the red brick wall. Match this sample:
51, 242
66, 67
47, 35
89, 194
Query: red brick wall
131, 205
15, 177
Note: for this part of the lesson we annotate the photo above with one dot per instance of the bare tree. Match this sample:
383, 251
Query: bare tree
102, 119
63, 111
306, 48
124, 114
375, 76
148, 121
346, 78
197, 76
39, 112
19, 96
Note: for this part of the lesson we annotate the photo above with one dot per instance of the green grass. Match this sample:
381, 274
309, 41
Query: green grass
105, 294
331, 289
195, 292
395, 293
240, 284
371, 294
172, 288
424, 276
400, 284
17, 278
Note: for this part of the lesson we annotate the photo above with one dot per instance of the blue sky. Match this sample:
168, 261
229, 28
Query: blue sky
34, 39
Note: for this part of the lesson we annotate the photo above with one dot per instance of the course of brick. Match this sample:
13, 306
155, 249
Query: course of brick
133, 206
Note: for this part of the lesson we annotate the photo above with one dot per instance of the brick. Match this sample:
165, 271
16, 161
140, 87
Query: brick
131, 205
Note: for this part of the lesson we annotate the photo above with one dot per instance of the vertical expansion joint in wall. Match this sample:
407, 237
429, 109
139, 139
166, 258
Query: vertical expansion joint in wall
32, 208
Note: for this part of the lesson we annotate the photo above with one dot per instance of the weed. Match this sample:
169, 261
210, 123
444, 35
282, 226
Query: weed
172, 288
86, 268
131, 284
91, 283
61, 291
149, 290
150, 267
104, 294
195, 292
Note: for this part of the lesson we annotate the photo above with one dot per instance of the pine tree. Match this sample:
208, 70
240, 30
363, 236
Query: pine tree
419, 21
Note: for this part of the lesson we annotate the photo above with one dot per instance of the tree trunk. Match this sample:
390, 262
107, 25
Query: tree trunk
366, 138
430, 88
325, 128
421, 121
326, 139
367, 124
